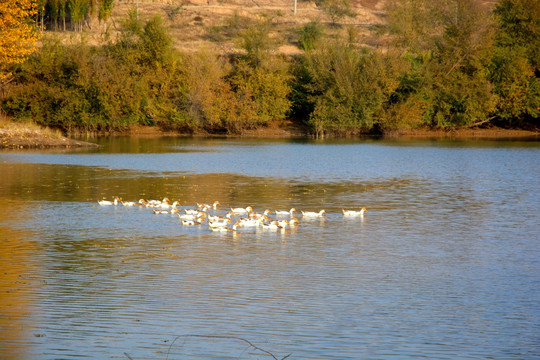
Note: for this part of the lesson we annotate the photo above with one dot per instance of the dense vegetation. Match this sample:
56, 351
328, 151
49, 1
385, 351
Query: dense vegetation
448, 64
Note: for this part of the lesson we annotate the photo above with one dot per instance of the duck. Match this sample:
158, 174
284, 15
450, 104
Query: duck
162, 212
283, 223
271, 226
285, 212
166, 205
217, 218
240, 211
216, 224
206, 207
255, 215
313, 214
294, 222
200, 215
219, 229
107, 202
157, 203
249, 222
190, 222
354, 212
192, 211
225, 228
131, 203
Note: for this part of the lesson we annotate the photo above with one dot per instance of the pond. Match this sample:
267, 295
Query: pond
444, 265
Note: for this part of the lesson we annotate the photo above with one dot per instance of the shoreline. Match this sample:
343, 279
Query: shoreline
30, 136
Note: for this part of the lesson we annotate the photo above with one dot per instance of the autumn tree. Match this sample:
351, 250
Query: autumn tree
18, 33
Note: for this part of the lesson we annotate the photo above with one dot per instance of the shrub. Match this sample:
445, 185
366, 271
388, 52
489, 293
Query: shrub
310, 34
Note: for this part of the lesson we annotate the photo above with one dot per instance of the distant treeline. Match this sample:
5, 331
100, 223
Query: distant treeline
446, 64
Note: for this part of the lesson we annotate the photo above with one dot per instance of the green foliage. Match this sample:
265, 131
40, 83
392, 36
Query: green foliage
515, 67
209, 95
155, 42
515, 84
349, 88
95, 88
140, 80
105, 9
336, 9
78, 9
519, 24
173, 10
449, 64
255, 40
262, 91
448, 44
458, 100
310, 34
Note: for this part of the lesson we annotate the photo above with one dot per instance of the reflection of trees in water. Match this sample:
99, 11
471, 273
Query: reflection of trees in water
38, 182
17, 283
82, 183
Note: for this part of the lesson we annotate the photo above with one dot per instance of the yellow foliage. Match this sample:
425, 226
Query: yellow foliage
18, 33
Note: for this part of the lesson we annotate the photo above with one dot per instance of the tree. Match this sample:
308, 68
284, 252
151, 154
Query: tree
336, 9
519, 22
18, 33
449, 44
515, 66
310, 34
348, 88
105, 9
413, 25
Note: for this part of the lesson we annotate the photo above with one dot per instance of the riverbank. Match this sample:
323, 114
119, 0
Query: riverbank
30, 136
489, 133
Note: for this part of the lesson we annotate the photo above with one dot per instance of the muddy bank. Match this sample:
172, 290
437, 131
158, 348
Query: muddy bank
490, 133
288, 129
29, 136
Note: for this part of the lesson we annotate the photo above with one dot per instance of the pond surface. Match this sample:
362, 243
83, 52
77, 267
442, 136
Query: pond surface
445, 264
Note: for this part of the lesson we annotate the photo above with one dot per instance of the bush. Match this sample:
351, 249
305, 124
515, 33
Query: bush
349, 88
310, 34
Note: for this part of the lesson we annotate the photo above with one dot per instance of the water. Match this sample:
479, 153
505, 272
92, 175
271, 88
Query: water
444, 265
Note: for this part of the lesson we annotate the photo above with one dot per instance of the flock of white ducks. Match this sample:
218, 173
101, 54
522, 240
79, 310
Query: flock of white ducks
236, 219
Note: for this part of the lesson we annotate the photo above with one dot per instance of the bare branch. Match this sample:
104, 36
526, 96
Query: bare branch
223, 337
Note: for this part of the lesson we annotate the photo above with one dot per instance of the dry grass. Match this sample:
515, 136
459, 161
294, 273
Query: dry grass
196, 24
26, 129
29, 135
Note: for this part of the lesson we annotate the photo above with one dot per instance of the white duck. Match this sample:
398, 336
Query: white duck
132, 203
285, 212
157, 203
107, 202
271, 226
217, 224
166, 205
255, 215
190, 222
241, 211
249, 222
313, 214
162, 212
294, 222
206, 207
219, 218
191, 216
354, 212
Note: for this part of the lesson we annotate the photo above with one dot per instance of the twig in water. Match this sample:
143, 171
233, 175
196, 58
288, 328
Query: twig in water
222, 337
